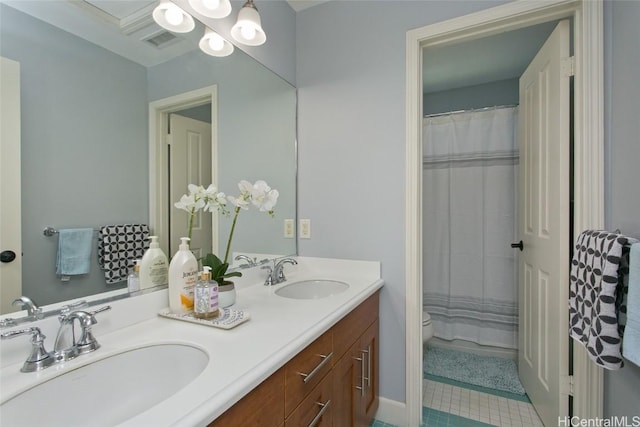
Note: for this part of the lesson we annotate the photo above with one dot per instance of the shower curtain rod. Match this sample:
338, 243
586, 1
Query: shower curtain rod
449, 113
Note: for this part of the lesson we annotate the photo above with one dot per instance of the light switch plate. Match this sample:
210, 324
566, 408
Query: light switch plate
305, 228
289, 229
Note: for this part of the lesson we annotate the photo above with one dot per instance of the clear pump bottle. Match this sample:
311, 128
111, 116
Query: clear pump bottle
205, 296
133, 280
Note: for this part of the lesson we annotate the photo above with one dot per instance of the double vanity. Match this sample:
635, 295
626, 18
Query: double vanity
307, 356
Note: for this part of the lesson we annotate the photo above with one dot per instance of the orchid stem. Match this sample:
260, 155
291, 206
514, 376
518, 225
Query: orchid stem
191, 223
233, 227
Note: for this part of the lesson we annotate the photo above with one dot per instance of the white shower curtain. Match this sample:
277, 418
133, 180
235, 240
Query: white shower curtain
469, 217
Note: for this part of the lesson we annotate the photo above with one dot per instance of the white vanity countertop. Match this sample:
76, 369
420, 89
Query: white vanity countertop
239, 358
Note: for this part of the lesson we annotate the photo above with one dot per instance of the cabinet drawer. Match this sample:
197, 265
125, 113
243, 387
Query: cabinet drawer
349, 329
262, 407
306, 370
316, 410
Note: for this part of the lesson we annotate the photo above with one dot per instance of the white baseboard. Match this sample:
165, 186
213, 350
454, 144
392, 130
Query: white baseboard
392, 412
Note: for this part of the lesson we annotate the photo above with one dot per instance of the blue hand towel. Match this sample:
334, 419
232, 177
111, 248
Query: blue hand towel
74, 251
631, 342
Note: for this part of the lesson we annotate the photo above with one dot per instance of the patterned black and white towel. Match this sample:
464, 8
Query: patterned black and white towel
593, 293
118, 248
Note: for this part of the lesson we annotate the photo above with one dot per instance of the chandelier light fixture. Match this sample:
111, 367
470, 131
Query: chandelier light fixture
212, 8
171, 17
214, 44
247, 29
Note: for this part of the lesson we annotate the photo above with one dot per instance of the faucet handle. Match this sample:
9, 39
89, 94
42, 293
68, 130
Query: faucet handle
39, 358
87, 342
269, 279
100, 310
68, 308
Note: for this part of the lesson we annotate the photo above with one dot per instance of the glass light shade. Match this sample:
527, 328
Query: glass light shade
247, 30
214, 44
212, 8
171, 17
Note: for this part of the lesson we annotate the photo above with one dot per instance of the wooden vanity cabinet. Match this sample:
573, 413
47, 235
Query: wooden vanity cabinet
355, 375
332, 382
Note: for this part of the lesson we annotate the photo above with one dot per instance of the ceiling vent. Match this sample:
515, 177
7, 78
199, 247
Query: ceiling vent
161, 40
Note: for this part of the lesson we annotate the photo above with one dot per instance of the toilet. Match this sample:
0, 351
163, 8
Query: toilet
427, 327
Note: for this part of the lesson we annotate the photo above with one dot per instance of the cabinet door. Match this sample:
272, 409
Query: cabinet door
346, 377
369, 355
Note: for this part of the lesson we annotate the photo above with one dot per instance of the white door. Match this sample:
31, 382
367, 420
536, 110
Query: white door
189, 163
543, 203
10, 220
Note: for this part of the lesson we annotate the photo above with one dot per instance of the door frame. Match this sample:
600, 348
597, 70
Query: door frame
10, 187
159, 202
588, 185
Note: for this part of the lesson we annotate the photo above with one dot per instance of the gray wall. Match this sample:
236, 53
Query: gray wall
622, 139
351, 94
84, 117
504, 92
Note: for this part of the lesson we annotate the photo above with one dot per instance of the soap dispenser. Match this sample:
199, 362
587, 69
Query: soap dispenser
133, 280
154, 266
205, 296
183, 274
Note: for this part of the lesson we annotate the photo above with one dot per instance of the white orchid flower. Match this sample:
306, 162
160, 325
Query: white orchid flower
239, 202
259, 194
186, 203
263, 197
195, 189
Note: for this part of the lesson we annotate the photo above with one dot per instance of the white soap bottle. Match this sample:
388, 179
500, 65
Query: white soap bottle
183, 274
154, 266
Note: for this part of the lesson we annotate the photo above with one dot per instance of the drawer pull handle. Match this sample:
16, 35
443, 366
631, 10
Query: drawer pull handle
307, 377
368, 378
323, 408
362, 372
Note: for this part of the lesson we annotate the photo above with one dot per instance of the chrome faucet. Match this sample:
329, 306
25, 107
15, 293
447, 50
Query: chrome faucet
251, 262
33, 311
278, 271
66, 346
276, 274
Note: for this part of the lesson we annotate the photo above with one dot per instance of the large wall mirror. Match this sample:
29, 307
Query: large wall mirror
85, 138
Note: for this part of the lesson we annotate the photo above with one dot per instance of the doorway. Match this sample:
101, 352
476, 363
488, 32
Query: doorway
587, 157
188, 111
470, 218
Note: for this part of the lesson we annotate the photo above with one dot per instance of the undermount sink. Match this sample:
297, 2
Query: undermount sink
108, 391
312, 289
